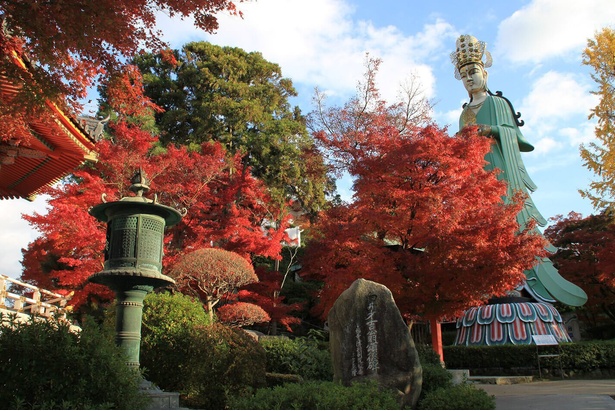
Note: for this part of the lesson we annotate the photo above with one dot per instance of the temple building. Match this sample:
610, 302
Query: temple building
45, 148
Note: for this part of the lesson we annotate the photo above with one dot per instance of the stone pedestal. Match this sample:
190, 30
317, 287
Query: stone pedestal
160, 400
459, 376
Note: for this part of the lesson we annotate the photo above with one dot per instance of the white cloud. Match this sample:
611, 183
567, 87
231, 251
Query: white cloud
450, 117
555, 96
176, 31
546, 145
582, 134
548, 28
555, 103
318, 44
297, 35
16, 233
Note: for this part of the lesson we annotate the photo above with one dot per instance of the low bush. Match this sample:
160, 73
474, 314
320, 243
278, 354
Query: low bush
588, 356
300, 356
45, 366
205, 363
434, 378
427, 355
274, 378
166, 326
458, 397
319, 395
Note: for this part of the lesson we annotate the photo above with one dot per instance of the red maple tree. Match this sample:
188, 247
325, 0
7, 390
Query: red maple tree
585, 255
225, 207
211, 274
266, 293
426, 220
68, 44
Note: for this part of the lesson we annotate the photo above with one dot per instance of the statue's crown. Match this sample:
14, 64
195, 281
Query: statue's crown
469, 50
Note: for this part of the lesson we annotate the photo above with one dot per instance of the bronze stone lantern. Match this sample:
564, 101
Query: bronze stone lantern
133, 258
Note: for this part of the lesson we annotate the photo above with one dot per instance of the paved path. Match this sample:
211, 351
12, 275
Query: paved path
554, 395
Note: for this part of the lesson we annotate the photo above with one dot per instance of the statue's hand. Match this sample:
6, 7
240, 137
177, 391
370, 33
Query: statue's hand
484, 130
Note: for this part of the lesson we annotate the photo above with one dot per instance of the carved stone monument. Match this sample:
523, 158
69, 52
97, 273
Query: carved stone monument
369, 339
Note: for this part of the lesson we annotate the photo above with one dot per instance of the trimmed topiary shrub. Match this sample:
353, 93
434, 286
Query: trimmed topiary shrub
210, 273
44, 366
205, 363
458, 397
319, 395
165, 311
586, 357
300, 356
241, 314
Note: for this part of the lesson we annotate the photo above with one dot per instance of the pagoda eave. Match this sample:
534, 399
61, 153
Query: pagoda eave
40, 153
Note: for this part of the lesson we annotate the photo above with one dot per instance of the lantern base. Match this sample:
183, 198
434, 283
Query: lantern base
159, 400
128, 276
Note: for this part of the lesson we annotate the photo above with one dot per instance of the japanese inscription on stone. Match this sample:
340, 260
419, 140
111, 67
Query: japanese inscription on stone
369, 339
372, 335
371, 342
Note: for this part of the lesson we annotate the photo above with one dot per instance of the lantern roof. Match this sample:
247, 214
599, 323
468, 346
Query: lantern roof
137, 204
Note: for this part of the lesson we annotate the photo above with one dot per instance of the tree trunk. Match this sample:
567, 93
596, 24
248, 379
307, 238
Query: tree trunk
273, 325
210, 309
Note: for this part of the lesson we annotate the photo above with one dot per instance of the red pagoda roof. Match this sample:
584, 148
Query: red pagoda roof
50, 147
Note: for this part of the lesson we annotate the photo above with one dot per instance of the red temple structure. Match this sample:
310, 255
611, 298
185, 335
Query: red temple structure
45, 149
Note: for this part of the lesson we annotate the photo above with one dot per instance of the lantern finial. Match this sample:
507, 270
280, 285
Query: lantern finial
139, 183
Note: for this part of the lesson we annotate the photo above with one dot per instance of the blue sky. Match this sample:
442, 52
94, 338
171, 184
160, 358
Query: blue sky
536, 47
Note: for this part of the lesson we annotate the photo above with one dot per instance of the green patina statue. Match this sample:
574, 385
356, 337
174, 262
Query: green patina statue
495, 117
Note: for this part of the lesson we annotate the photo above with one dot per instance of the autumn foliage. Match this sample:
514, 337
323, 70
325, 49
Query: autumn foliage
225, 206
599, 156
585, 255
69, 44
210, 274
429, 223
266, 294
426, 219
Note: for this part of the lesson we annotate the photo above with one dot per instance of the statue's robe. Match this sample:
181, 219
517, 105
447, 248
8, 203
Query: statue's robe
543, 281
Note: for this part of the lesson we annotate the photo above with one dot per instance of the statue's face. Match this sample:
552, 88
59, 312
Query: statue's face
474, 77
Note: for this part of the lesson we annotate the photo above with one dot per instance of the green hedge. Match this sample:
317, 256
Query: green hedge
459, 397
319, 395
593, 358
44, 366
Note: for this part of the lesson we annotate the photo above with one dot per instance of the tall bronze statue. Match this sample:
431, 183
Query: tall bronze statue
496, 118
